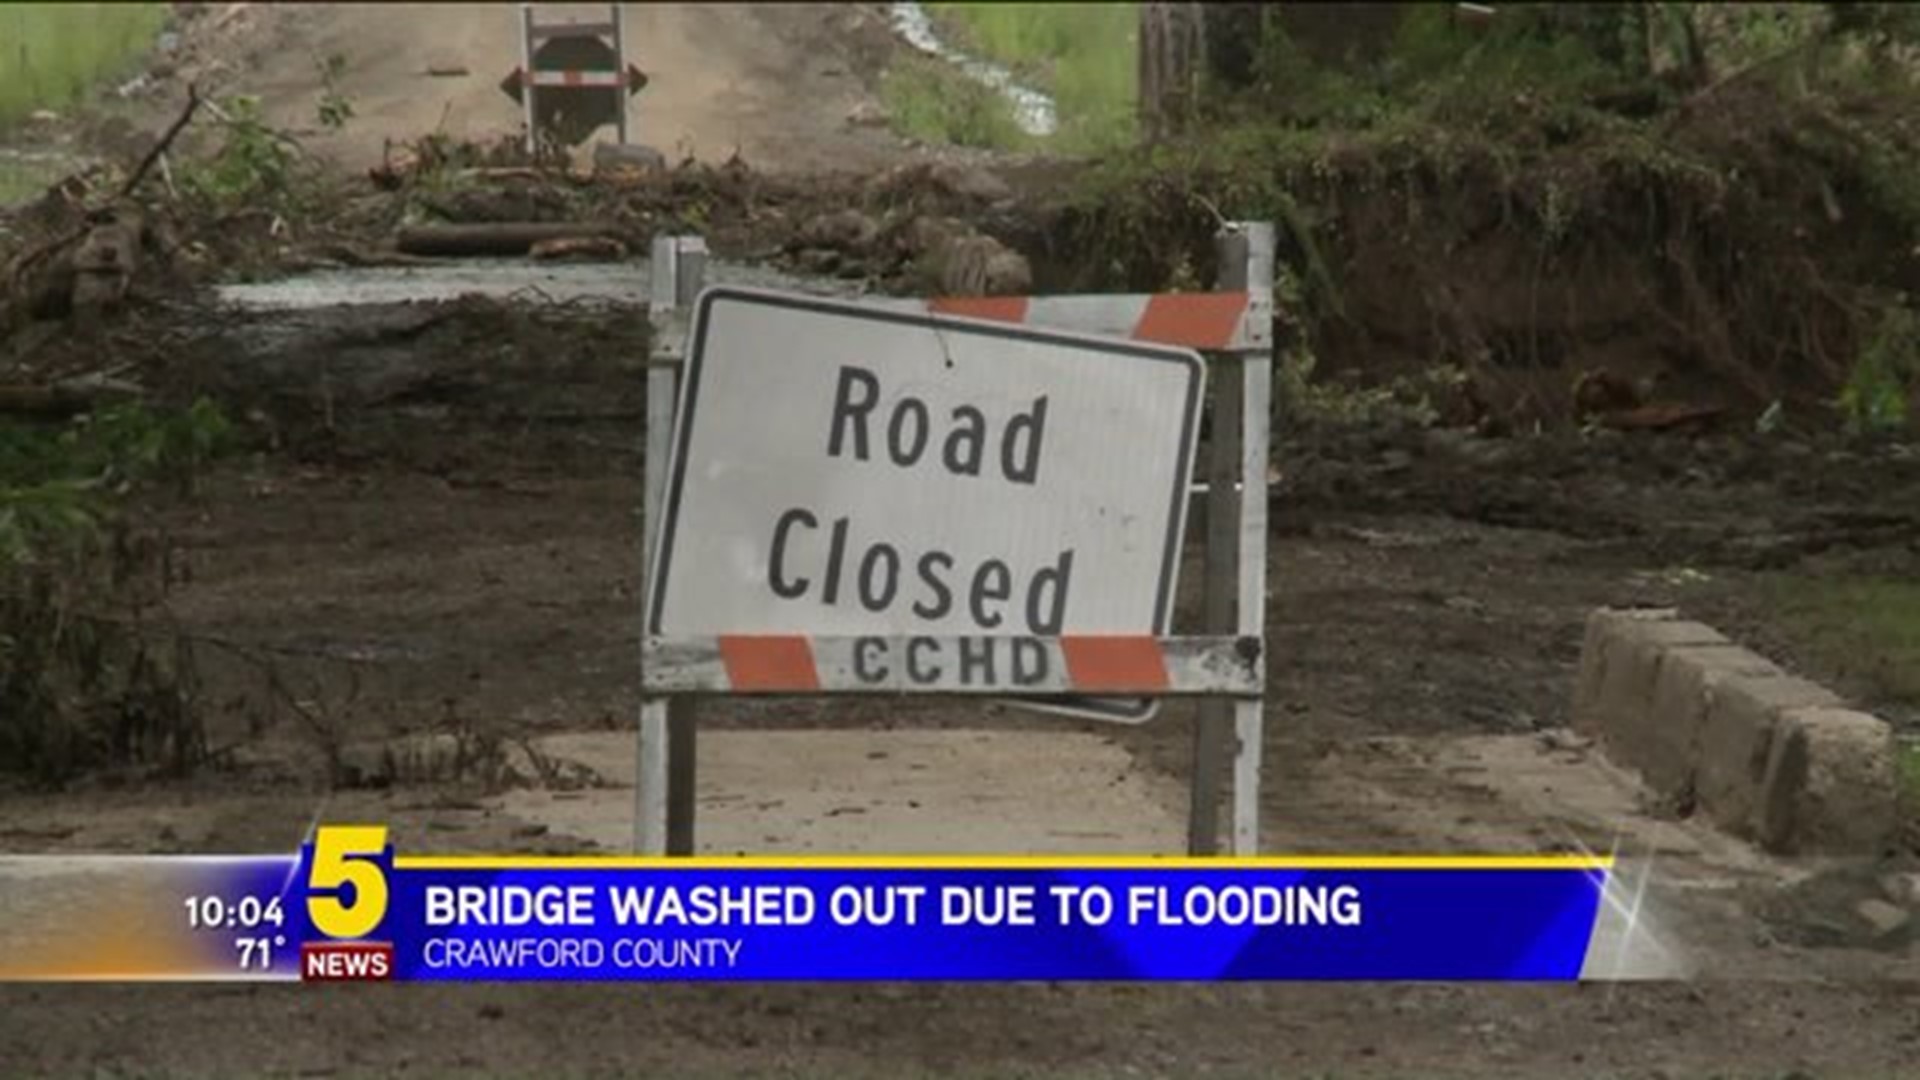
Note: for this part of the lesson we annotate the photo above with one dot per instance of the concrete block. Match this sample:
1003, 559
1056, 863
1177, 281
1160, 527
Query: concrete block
1886, 922
1831, 785
1722, 731
1619, 698
1668, 741
1586, 685
1605, 664
1744, 702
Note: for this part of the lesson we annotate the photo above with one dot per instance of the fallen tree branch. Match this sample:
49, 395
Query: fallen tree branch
166, 140
63, 400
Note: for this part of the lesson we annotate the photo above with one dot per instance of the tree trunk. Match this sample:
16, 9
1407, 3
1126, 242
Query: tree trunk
1233, 36
1171, 56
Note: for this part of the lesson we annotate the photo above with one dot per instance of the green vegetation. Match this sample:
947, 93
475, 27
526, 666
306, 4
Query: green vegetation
1083, 55
935, 102
252, 165
82, 681
51, 54
334, 108
1866, 628
57, 489
1738, 176
1874, 398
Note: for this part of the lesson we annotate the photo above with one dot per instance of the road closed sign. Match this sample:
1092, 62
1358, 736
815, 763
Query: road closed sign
844, 470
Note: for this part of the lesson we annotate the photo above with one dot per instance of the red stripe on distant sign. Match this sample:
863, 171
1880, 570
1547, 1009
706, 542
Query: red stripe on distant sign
1195, 320
769, 662
573, 78
1011, 309
1132, 664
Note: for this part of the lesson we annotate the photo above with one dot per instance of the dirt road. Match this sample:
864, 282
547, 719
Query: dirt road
774, 82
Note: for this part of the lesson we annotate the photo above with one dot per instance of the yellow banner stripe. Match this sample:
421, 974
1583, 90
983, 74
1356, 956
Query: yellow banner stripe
1004, 862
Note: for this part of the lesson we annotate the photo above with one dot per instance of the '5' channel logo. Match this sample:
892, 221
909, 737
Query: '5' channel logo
347, 899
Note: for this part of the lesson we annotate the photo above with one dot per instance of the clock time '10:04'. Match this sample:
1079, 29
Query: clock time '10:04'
246, 913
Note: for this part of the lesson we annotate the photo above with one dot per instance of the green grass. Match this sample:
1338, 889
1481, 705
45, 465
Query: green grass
52, 54
933, 101
1081, 54
1866, 627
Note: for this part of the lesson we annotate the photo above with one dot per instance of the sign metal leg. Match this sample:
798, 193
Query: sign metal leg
1256, 418
650, 781
1210, 733
681, 776
618, 22
665, 780
526, 79
650, 774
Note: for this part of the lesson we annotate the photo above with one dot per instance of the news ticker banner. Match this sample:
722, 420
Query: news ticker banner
348, 907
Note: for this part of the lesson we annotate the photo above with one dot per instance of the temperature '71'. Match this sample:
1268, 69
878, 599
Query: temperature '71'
256, 953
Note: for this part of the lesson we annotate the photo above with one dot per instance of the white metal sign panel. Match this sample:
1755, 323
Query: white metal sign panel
840, 469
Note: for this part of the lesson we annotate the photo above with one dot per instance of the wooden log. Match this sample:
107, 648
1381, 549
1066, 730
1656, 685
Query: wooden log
63, 400
493, 238
45, 401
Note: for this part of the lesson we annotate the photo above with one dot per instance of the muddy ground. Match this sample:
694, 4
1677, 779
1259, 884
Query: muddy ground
439, 530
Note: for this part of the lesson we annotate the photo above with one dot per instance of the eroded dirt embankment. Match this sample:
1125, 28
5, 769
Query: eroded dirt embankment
1737, 251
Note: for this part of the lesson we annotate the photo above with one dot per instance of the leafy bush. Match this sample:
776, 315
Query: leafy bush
84, 680
334, 108
254, 163
1874, 398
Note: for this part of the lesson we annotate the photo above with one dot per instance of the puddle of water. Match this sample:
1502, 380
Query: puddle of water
619, 285
1032, 109
606, 285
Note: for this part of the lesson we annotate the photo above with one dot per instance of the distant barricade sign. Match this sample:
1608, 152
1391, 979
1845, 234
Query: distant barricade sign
573, 78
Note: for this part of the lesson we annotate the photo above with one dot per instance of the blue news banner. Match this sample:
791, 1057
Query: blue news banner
365, 912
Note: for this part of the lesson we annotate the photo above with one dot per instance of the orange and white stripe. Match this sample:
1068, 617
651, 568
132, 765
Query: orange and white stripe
1213, 321
996, 666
